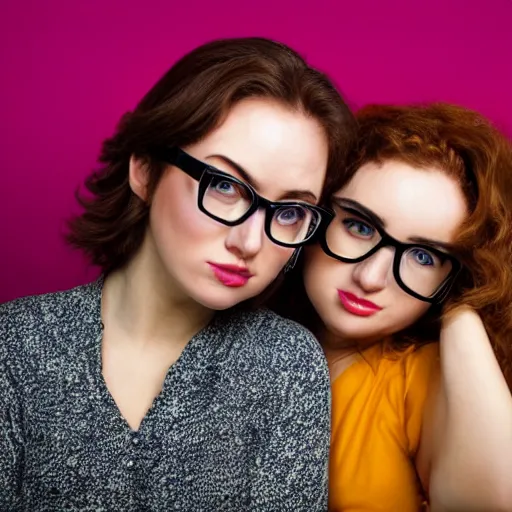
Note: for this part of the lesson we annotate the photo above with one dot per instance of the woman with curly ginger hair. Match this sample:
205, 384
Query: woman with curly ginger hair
412, 287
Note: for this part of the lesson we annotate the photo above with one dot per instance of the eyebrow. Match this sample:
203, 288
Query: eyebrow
445, 246
304, 195
379, 222
350, 203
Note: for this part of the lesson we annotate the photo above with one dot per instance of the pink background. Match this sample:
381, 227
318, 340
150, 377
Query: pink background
71, 68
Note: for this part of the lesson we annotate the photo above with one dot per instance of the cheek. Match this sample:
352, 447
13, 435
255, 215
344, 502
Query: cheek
402, 311
271, 259
407, 310
175, 215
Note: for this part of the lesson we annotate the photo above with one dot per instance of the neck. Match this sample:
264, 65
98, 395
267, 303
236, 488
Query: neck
146, 305
341, 353
337, 347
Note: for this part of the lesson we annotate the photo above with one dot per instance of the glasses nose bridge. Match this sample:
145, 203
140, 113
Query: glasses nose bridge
375, 259
251, 223
389, 242
260, 203
266, 206
247, 237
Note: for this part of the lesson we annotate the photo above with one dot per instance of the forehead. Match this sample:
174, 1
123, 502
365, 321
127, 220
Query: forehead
412, 202
281, 148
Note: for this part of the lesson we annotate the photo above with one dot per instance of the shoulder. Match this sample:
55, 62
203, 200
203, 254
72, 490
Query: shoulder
421, 364
278, 346
27, 313
25, 323
411, 363
424, 354
269, 330
410, 371
280, 366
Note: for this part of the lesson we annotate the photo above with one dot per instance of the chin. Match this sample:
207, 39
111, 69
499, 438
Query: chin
353, 327
357, 335
216, 303
221, 299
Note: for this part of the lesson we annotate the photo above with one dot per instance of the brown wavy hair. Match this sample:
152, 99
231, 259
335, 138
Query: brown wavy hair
186, 104
468, 148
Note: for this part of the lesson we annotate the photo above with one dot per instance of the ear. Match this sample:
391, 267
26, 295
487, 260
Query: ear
139, 177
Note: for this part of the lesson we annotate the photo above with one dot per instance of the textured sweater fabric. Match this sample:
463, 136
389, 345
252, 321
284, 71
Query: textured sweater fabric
242, 422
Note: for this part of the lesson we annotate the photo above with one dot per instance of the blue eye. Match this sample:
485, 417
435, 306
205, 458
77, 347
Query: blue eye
358, 228
224, 187
422, 257
290, 216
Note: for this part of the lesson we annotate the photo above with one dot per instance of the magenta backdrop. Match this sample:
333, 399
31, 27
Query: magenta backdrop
71, 68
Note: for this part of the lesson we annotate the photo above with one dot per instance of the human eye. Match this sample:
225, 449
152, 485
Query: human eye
358, 228
423, 257
223, 186
223, 189
291, 215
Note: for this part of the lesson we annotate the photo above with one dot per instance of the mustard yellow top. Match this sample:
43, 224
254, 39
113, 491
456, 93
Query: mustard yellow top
377, 406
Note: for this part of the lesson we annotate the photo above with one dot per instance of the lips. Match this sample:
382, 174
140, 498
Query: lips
357, 306
230, 275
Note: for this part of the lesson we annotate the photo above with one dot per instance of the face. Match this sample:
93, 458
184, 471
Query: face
283, 154
361, 302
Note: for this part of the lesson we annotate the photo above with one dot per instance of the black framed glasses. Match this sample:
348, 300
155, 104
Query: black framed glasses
421, 270
230, 201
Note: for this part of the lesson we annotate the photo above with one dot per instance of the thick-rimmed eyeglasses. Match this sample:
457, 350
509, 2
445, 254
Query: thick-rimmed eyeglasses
230, 201
422, 271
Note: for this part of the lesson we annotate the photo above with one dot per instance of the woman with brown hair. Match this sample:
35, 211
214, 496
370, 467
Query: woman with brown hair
412, 287
149, 389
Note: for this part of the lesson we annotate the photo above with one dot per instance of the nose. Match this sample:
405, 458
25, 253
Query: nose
246, 239
373, 273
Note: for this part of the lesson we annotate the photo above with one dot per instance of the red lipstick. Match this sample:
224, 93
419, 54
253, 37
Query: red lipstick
230, 275
357, 306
